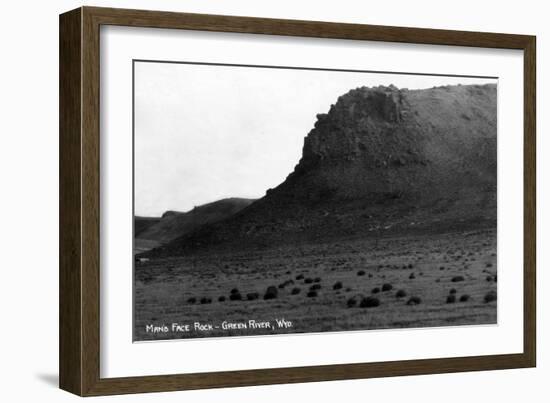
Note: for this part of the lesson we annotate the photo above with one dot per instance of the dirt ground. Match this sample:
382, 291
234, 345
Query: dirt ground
421, 281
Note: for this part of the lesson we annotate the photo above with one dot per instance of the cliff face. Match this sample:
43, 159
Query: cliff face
381, 158
380, 142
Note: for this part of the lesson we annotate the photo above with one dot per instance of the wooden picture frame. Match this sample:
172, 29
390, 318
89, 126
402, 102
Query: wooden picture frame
79, 348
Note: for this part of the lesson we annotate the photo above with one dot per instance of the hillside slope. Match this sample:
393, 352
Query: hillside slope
173, 224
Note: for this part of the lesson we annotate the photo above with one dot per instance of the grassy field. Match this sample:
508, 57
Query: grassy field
400, 282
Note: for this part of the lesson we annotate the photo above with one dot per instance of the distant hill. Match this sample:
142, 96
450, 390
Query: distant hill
382, 159
174, 224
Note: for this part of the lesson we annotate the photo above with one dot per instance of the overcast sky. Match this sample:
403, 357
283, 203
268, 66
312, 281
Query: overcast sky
203, 133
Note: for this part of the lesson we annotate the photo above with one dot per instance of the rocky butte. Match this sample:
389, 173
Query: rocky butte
381, 161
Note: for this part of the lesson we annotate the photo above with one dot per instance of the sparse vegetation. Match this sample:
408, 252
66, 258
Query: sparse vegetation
270, 271
387, 287
464, 298
251, 296
235, 296
491, 296
271, 292
351, 302
369, 302
414, 301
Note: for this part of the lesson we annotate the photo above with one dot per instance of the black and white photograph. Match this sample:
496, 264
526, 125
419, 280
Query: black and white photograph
272, 200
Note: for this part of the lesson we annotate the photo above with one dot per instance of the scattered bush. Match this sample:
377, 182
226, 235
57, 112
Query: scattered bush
489, 278
338, 285
464, 298
235, 296
315, 287
251, 296
451, 299
410, 266
456, 279
490, 296
221, 298
206, 300
387, 287
271, 292
414, 301
375, 290
300, 277
369, 302
351, 302
312, 294
192, 300
400, 294
452, 291
412, 276
308, 280
317, 280
361, 273
489, 265
234, 291
295, 291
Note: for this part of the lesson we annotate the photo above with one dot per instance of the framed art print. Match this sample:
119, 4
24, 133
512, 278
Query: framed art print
250, 201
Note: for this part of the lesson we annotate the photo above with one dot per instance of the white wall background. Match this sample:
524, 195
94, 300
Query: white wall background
29, 199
